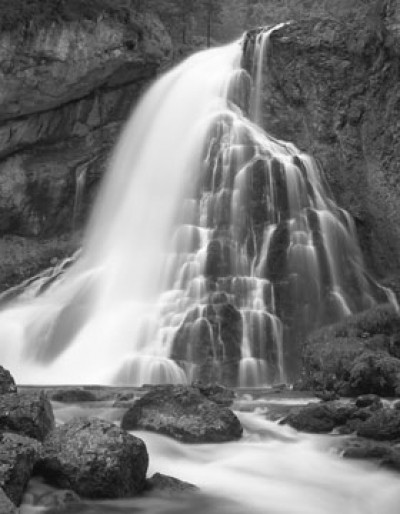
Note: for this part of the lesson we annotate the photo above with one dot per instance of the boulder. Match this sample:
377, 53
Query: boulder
383, 425
361, 449
95, 459
319, 417
169, 486
183, 413
7, 383
73, 396
27, 413
353, 357
369, 400
216, 393
18, 456
6, 505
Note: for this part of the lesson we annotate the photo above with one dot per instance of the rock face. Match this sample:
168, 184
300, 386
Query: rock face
183, 413
7, 383
18, 456
331, 87
28, 414
357, 356
95, 459
65, 90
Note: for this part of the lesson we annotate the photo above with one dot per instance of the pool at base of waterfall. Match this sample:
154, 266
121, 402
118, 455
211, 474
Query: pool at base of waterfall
273, 469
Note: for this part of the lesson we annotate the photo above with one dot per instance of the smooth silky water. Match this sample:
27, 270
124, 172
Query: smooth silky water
272, 470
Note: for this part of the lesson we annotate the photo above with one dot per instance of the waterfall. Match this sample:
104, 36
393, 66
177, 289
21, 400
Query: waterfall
212, 250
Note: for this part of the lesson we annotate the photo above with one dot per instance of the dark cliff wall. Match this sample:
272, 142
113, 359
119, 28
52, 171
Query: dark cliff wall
332, 87
65, 90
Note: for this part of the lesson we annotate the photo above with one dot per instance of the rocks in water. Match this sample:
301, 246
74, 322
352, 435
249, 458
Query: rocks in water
95, 459
354, 357
6, 505
319, 417
27, 413
369, 400
18, 455
73, 396
170, 486
382, 425
384, 454
216, 393
183, 413
7, 383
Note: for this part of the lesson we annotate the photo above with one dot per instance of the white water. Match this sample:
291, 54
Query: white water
199, 204
272, 470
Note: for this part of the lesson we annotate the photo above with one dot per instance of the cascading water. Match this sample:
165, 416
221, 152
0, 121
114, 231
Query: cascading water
212, 249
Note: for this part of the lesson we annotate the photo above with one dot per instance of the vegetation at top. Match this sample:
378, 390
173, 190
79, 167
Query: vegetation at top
220, 20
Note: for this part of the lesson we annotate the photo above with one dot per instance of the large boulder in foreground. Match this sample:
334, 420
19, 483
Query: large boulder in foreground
18, 456
28, 413
95, 459
7, 383
183, 413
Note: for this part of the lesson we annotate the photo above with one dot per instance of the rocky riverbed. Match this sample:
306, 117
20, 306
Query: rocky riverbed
62, 449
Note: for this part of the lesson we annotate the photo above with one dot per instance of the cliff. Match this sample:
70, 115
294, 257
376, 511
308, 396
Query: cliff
331, 87
65, 90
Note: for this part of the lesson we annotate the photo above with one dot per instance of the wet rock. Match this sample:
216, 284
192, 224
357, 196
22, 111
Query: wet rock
369, 400
27, 413
18, 456
383, 425
216, 393
7, 383
319, 417
59, 501
73, 396
170, 486
327, 396
95, 459
183, 413
352, 357
384, 454
6, 505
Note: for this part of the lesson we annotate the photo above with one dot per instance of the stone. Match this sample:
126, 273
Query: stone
183, 413
319, 417
217, 393
383, 425
26, 413
73, 396
351, 358
6, 505
169, 486
369, 400
7, 383
18, 456
95, 459
59, 500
